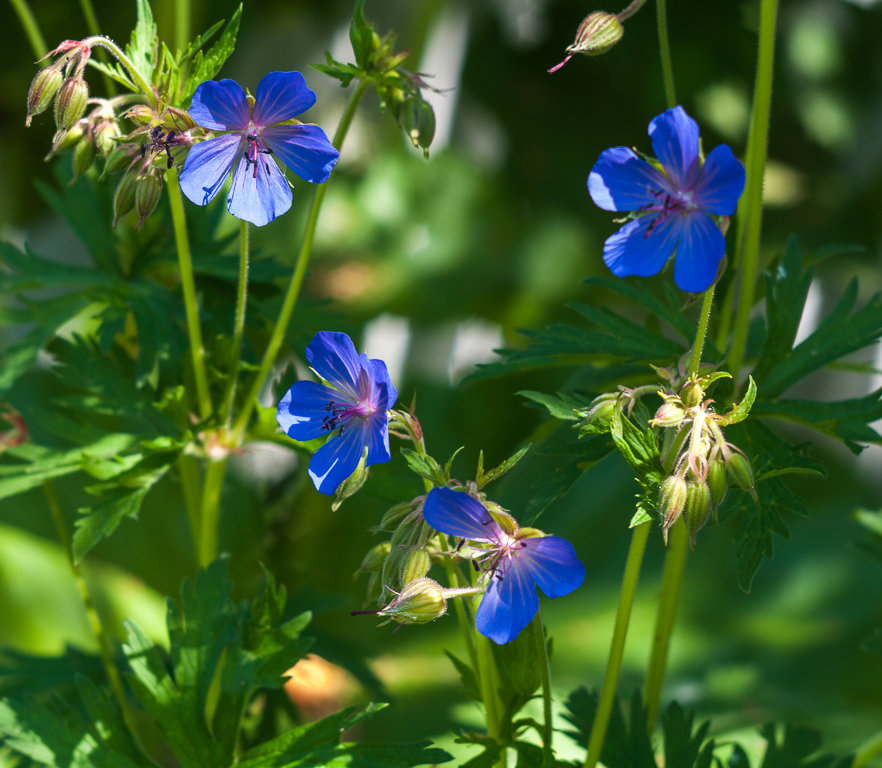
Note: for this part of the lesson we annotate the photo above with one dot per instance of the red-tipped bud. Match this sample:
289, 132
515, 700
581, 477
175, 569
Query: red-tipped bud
44, 86
669, 414
70, 102
598, 32
672, 499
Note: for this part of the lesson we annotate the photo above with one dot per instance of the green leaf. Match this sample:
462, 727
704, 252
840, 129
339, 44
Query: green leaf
683, 746
424, 466
361, 35
143, 45
562, 406
466, 676
485, 478
796, 748
741, 411
206, 65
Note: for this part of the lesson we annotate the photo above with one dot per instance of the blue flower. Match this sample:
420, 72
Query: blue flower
258, 133
673, 206
514, 564
352, 404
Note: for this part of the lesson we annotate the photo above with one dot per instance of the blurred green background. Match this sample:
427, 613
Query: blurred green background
435, 264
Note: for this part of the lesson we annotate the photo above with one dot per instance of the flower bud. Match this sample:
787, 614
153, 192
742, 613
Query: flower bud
420, 602
44, 86
65, 141
740, 472
416, 565
374, 559
393, 565
105, 134
418, 121
140, 114
672, 499
18, 432
718, 482
70, 102
697, 508
124, 197
395, 515
147, 194
692, 393
118, 160
599, 413
669, 414
352, 484
598, 32
83, 157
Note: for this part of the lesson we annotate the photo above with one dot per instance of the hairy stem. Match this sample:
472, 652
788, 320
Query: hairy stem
617, 646
293, 292
750, 207
701, 331
92, 25
138, 79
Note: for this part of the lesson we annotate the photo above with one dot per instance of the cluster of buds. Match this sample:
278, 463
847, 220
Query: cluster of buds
597, 417
704, 463
61, 82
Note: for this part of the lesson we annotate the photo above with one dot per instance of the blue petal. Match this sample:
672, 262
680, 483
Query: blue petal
552, 563
507, 606
207, 166
220, 106
699, 251
281, 96
378, 439
384, 393
303, 409
337, 459
642, 246
675, 141
333, 357
458, 514
305, 149
621, 181
259, 192
721, 183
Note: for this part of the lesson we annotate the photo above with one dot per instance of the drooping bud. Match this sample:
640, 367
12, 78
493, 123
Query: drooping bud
416, 565
697, 509
395, 515
352, 484
70, 102
105, 134
44, 86
65, 141
740, 472
718, 482
669, 414
418, 121
599, 413
124, 197
147, 194
672, 499
83, 157
373, 560
119, 159
598, 33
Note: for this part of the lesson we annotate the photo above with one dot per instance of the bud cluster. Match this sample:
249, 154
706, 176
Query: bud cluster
61, 83
704, 464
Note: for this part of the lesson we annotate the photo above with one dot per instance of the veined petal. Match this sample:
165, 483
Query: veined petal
552, 563
220, 105
458, 514
303, 410
384, 392
642, 246
333, 357
336, 460
259, 192
377, 439
621, 181
699, 250
305, 149
507, 606
721, 182
207, 166
675, 141
281, 96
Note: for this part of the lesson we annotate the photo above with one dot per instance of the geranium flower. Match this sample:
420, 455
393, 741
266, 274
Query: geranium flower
514, 564
259, 191
352, 406
673, 205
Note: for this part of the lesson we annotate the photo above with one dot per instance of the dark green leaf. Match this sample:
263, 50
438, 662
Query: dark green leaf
796, 748
741, 411
424, 466
208, 63
466, 677
484, 478
683, 747
361, 35
143, 46
562, 406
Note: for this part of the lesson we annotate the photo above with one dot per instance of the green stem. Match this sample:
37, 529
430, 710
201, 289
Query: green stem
632, 8
188, 470
290, 300
210, 516
664, 49
488, 679
701, 331
31, 28
95, 623
750, 208
105, 42
868, 750
188, 287
92, 25
545, 670
617, 646
182, 24
238, 319
672, 579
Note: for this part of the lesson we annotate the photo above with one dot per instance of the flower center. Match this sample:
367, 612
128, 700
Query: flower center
255, 148
341, 415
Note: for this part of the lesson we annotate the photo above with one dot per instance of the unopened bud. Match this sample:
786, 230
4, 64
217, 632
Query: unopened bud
718, 482
352, 484
118, 160
418, 121
70, 102
44, 86
740, 472
395, 515
672, 499
598, 32
697, 508
373, 560
124, 197
416, 565
105, 134
65, 141
669, 414
147, 194
420, 602
692, 393
83, 157
140, 114
599, 414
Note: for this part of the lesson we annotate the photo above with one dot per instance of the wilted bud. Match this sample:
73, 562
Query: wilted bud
740, 472
44, 86
697, 508
124, 197
718, 482
416, 565
672, 499
669, 414
598, 32
147, 194
420, 602
352, 484
70, 102
83, 157
374, 558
